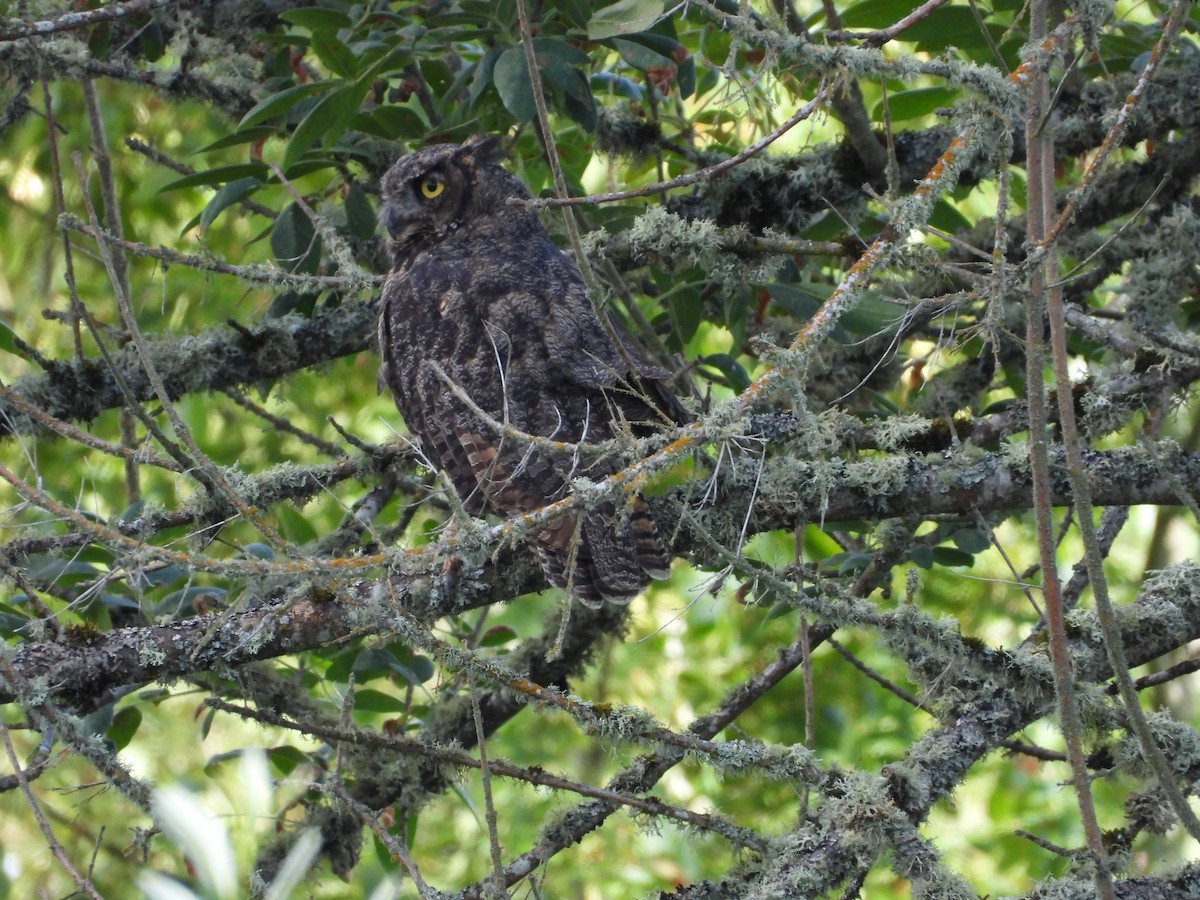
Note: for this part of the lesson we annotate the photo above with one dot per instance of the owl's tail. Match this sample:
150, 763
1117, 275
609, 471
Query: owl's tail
611, 555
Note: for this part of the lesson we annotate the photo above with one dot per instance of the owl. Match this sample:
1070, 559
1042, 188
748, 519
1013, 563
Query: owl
500, 366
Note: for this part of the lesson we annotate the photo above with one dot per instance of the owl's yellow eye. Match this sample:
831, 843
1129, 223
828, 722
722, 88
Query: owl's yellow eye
431, 187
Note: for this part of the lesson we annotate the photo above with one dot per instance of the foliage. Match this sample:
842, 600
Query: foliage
922, 274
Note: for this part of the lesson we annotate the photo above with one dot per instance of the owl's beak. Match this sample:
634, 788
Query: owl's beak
399, 214
395, 218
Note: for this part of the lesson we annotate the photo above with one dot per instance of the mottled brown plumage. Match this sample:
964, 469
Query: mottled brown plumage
500, 366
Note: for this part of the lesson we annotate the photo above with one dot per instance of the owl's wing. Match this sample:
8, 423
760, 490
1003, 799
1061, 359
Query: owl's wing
442, 439
584, 353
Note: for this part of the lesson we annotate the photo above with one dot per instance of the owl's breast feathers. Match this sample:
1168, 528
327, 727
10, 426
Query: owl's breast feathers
498, 362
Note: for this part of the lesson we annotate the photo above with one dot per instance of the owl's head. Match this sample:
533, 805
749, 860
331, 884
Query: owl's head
430, 193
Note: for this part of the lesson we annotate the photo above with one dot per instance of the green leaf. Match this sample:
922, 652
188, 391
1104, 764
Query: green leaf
374, 663
295, 243
285, 100
228, 195
801, 299
970, 540
338, 58
296, 527
576, 12
13, 623
150, 38
848, 563
947, 217
397, 123
242, 136
369, 700
329, 116
922, 555
317, 18
639, 55
285, 759
421, 669
219, 175
511, 77
624, 17
482, 78
559, 49
949, 556
686, 78
8, 341
729, 367
715, 44
60, 571
360, 216
951, 26
872, 316
124, 726
291, 302
498, 636
914, 104
573, 89
686, 313
119, 601
169, 574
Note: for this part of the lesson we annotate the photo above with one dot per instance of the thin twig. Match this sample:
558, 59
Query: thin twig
884, 35
489, 803
395, 846
263, 274
742, 837
215, 479
1040, 162
153, 153
700, 175
73, 20
56, 848
1073, 445
282, 424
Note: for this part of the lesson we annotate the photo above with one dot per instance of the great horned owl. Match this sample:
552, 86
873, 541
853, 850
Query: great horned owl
499, 364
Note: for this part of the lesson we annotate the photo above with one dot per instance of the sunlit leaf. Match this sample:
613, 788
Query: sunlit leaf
624, 17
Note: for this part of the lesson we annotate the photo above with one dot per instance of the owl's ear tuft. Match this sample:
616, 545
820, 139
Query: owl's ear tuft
484, 147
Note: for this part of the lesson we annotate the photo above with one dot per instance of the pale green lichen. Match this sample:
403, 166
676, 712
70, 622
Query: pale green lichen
894, 432
879, 476
672, 238
151, 655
